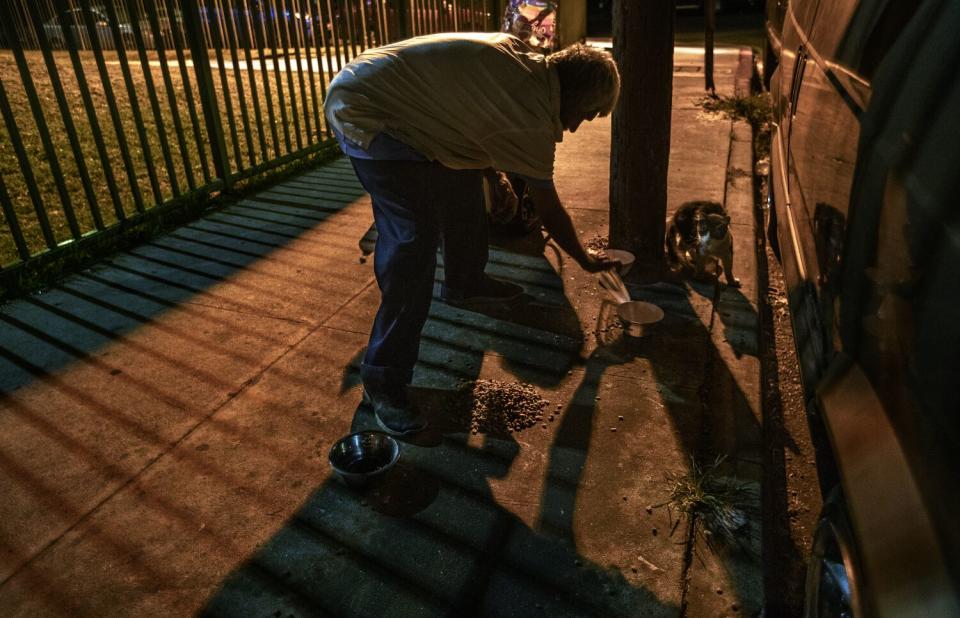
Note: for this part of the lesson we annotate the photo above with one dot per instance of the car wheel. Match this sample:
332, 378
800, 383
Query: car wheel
831, 590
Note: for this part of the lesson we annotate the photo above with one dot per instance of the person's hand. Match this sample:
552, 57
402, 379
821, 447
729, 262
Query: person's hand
593, 264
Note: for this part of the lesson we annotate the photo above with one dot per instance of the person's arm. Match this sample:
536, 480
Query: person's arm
557, 222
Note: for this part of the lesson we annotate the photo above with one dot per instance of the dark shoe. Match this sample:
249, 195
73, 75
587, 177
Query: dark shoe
395, 413
487, 290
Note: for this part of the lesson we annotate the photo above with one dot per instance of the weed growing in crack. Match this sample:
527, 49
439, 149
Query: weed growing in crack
719, 505
754, 108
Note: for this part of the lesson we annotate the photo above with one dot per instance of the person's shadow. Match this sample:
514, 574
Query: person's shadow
429, 538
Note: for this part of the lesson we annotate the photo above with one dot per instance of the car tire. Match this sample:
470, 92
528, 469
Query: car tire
831, 587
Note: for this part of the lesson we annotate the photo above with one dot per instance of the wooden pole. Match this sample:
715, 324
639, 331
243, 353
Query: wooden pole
640, 147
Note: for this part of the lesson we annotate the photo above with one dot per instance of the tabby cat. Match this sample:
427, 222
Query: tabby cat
699, 242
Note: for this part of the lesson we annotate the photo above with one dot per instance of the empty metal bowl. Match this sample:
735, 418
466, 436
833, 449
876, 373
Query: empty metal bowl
360, 457
625, 258
638, 317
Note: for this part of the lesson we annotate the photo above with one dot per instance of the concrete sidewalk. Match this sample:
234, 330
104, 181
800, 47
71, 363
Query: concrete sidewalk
165, 419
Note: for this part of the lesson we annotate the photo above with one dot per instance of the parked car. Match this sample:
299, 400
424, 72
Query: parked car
863, 196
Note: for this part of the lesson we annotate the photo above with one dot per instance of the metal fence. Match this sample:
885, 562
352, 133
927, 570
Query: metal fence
111, 108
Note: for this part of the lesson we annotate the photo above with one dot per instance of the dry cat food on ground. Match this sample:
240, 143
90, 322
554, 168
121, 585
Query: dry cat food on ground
597, 245
503, 406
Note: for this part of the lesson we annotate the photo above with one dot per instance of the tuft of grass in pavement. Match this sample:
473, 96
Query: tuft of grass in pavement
718, 503
755, 108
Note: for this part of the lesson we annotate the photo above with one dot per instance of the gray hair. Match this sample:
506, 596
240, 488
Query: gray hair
589, 79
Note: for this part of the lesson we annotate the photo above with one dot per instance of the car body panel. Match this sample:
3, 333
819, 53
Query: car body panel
863, 187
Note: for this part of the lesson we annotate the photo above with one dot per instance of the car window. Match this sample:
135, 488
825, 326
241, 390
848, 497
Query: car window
831, 23
803, 12
872, 32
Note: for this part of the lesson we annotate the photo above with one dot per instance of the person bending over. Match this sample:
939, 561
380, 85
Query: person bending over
420, 120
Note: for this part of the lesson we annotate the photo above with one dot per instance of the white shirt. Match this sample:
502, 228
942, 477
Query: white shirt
467, 100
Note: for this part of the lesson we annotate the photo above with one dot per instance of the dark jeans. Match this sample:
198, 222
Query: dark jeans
415, 205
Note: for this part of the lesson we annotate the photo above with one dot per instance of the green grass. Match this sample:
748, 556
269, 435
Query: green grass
755, 108
721, 505
171, 181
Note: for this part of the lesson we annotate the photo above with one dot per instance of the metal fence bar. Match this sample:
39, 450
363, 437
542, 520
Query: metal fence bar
401, 20
238, 80
154, 22
138, 122
363, 24
179, 44
42, 130
291, 88
215, 29
193, 28
334, 33
245, 40
376, 29
152, 94
422, 15
278, 81
256, 36
82, 84
71, 129
326, 74
309, 41
25, 167
351, 31
295, 35
10, 214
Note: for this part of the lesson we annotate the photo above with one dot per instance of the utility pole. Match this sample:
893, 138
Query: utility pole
710, 28
640, 149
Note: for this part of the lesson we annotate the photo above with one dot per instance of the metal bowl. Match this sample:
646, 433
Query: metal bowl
638, 317
360, 457
625, 258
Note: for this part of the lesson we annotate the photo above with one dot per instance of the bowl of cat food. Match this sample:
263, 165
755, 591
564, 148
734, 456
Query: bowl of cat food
625, 258
639, 318
362, 457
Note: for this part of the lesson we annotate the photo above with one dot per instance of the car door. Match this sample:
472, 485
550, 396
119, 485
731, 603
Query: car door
785, 85
888, 400
821, 149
